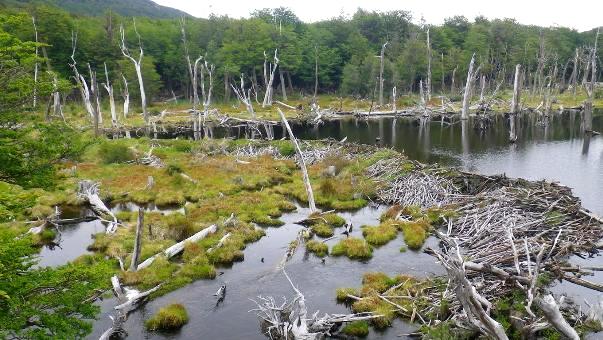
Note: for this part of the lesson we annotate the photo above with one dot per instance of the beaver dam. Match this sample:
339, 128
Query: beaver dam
345, 241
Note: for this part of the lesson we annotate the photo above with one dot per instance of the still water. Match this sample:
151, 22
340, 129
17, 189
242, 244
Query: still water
554, 149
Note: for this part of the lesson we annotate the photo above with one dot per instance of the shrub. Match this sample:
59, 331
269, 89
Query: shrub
174, 169
286, 149
170, 317
115, 152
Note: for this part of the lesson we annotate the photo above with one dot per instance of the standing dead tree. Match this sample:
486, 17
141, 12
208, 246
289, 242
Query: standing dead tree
429, 57
80, 80
515, 102
137, 240
269, 72
137, 67
125, 93
468, 85
94, 95
574, 76
394, 99
381, 68
315, 74
539, 81
244, 97
590, 88
302, 162
35, 89
109, 88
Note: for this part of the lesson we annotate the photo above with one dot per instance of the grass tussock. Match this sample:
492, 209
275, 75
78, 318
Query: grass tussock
356, 328
318, 248
381, 234
353, 248
322, 230
168, 318
415, 233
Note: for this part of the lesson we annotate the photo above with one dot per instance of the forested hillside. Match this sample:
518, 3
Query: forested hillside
145, 8
344, 50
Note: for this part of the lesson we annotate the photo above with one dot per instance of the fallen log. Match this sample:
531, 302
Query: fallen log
179, 247
88, 191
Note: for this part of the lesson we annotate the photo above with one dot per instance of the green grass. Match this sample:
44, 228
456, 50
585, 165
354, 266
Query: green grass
168, 318
353, 248
322, 230
381, 234
318, 248
356, 328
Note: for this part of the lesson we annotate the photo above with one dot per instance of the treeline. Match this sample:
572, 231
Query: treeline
344, 52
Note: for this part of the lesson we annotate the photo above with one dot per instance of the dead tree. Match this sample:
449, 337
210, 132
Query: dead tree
94, 95
88, 191
381, 68
315, 73
574, 77
590, 89
394, 108
269, 72
244, 97
109, 88
80, 80
468, 85
516, 90
282, 80
209, 68
302, 163
137, 240
126, 95
35, 89
137, 67
538, 82
428, 88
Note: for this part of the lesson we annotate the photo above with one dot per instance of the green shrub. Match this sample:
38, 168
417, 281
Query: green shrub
115, 152
170, 317
286, 149
174, 169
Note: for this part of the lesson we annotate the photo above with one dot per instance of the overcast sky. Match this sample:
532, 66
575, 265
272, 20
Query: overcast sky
579, 14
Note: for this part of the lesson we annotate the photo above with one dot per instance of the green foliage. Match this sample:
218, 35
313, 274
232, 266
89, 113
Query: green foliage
115, 152
53, 297
14, 201
28, 155
168, 318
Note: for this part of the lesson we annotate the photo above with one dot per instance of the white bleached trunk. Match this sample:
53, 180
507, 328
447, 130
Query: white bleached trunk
137, 240
381, 69
467, 94
302, 163
35, 90
516, 90
428, 66
126, 95
244, 97
394, 99
109, 89
138, 68
269, 75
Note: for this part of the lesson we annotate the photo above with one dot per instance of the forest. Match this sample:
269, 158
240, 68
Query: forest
350, 165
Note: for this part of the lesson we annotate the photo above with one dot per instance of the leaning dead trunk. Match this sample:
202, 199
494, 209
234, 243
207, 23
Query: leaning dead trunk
179, 247
283, 87
302, 163
467, 94
80, 80
244, 97
137, 240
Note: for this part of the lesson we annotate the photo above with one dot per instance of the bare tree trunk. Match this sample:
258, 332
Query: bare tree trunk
137, 240
467, 94
289, 82
452, 81
428, 67
35, 89
443, 78
381, 67
138, 67
109, 90
574, 76
126, 95
516, 90
315, 73
302, 163
244, 97
269, 72
588, 105
394, 108
282, 79
539, 82
95, 94
226, 87
483, 88
79, 79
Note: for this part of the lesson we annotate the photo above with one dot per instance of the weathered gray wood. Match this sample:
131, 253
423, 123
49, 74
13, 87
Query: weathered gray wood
302, 163
381, 68
137, 240
550, 309
179, 247
467, 94
137, 67
516, 90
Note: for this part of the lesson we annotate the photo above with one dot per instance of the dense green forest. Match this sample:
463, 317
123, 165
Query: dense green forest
345, 49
